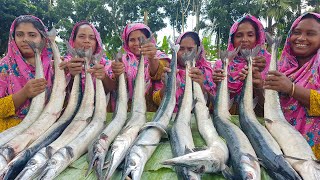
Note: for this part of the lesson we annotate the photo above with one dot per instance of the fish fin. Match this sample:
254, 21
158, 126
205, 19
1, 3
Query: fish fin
89, 119
227, 173
188, 150
252, 157
70, 49
157, 125
255, 101
246, 53
223, 55
269, 39
174, 47
295, 158
230, 102
268, 120
255, 51
70, 151
199, 148
52, 34
49, 151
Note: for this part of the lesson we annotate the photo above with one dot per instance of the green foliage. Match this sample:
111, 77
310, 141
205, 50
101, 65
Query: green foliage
210, 49
165, 45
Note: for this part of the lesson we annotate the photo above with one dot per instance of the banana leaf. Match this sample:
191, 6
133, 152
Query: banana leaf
153, 169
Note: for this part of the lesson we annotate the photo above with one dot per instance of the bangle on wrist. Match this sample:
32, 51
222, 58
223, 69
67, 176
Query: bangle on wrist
292, 89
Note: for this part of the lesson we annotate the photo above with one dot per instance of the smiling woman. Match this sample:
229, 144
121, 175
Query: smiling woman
17, 70
298, 79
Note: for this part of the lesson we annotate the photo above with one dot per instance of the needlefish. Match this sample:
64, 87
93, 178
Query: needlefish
138, 118
62, 158
37, 103
267, 149
214, 156
48, 116
295, 148
98, 149
242, 155
27, 156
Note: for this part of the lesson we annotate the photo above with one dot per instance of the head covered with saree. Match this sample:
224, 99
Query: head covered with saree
15, 71
238, 63
306, 76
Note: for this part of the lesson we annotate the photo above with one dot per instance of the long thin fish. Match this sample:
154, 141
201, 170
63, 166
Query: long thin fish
37, 103
77, 147
267, 149
18, 163
38, 155
138, 118
289, 139
48, 116
180, 135
214, 157
100, 147
143, 148
242, 155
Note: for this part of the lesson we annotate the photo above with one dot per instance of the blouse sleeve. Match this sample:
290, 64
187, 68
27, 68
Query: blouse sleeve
162, 64
314, 103
7, 108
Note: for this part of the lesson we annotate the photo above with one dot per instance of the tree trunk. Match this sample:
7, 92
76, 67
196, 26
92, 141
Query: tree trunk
198, 7
145, 18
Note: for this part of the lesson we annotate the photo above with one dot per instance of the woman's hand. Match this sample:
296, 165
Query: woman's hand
117, 68
279, 82
196, 75
149, 50
34, 87
259, 62
218, 75
74, 66
98, 71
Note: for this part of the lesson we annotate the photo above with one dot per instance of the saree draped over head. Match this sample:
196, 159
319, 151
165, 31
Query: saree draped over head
306, 76
99, 48
201, 63
131, 61
15, 71
238, 63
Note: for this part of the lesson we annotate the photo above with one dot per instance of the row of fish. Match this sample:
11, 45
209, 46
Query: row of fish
46, 143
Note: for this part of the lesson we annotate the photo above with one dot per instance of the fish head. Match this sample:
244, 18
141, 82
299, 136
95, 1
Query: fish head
57, 163
250, 167
135, 164
309, 169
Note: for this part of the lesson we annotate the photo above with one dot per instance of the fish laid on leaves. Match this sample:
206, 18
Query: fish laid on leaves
266, 148
36, 106
76, 111
212, 158
138, 118
180, 134
295, 148
78, 146
99, 148
150, 136
242, 156
48, 116
20, 161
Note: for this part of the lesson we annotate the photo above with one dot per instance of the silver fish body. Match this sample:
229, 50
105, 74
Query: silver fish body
289, 139
265, 146
242, 155
129, 133
142, 148
36, 106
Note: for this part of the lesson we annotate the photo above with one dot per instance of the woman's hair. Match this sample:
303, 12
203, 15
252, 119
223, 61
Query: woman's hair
192, 35
255, 26
77, 29
311, 16
29, 19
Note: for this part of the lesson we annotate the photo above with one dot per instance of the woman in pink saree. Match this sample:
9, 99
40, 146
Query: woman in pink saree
17, 71
248, 32
155, 60
298, 78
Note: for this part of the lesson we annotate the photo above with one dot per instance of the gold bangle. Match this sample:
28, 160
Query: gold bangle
293, 89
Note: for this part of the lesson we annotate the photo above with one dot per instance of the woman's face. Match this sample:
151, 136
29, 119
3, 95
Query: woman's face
85, 38
133, 41
186, 45
26, 32
245, 36
305, 38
